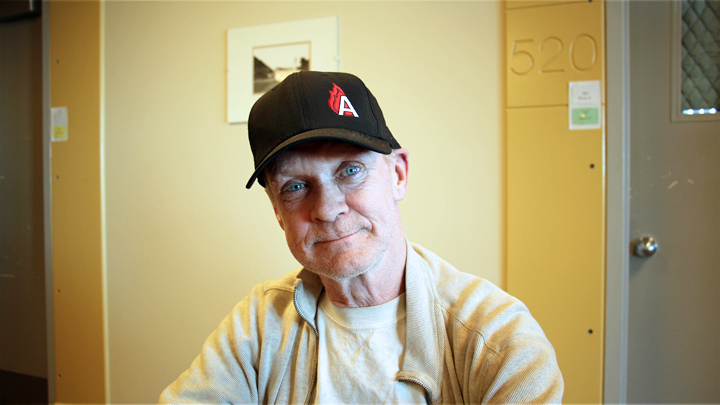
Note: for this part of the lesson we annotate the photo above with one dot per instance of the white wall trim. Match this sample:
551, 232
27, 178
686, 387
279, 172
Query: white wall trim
47, 198
618, 200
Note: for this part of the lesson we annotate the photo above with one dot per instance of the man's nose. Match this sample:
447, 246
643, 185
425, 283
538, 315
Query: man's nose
329, 204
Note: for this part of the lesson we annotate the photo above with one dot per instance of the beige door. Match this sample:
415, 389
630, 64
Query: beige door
674, 295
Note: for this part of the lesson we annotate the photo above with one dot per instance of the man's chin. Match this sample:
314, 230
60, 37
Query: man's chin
337, 273
344, 261
340, 269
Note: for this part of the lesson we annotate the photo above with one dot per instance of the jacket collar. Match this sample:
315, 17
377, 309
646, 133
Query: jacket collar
425, 343
308, 288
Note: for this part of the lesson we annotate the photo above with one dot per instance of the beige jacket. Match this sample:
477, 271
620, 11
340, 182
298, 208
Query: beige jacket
467, 342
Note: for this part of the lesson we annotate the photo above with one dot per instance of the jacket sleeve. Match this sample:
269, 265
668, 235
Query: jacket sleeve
523, 371
225, 371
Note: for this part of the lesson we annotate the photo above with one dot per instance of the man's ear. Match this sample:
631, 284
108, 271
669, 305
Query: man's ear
402, 169
277, 215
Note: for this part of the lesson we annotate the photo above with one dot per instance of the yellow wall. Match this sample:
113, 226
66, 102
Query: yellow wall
556, 184
186, 241
77, 229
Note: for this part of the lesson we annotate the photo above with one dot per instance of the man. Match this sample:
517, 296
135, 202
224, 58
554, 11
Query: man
370, 317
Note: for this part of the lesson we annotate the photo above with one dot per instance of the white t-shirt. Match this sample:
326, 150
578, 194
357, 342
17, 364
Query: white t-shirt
360, 353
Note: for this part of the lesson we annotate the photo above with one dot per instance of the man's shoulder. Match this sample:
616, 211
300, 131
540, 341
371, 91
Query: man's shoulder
298, 289
285, 283
271, 290
452, 285
474, 303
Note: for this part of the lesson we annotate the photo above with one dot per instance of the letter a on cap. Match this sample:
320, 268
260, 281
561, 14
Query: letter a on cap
339, 102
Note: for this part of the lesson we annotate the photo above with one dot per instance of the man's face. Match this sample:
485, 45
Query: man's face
337, 204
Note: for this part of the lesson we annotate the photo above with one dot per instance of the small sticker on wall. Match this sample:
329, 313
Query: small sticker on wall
59, 124
585, 105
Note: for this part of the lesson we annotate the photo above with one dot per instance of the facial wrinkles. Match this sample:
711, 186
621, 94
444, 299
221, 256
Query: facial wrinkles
343, 226
332, 213
321, 173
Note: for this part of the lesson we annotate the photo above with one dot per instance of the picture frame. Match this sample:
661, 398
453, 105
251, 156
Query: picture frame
258, 57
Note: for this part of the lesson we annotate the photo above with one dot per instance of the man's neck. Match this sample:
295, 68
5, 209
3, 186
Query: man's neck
374, 287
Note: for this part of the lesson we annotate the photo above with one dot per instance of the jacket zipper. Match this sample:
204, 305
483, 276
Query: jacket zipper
314, 373
317, 360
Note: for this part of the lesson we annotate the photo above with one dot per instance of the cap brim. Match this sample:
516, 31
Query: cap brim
336, 134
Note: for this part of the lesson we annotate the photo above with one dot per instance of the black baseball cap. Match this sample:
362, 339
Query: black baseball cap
309, 106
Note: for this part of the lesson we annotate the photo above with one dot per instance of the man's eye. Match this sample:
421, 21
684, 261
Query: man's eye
351, 170
294, 187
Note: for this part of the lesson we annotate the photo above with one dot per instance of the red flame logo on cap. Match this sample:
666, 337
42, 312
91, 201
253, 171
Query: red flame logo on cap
339, 102
334, 101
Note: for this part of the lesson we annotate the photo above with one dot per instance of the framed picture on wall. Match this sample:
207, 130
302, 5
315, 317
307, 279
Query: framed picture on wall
261, 56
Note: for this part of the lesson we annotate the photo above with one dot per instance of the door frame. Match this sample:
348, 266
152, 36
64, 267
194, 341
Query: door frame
617, 272
47, 200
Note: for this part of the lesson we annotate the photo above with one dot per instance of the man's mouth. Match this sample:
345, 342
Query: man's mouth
337, 238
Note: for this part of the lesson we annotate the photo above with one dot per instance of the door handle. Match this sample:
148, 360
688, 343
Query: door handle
643, 246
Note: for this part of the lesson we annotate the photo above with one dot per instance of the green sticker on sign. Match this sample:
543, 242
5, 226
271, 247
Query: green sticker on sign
585, 116
585, 105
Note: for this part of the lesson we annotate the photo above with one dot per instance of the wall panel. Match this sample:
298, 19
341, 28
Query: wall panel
77, 228
555, 185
